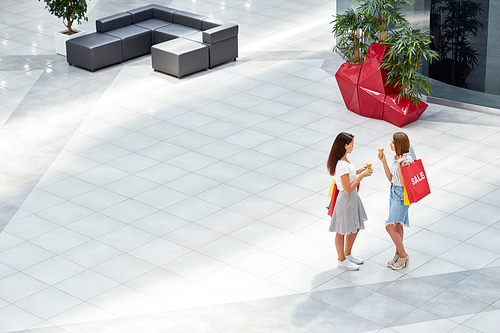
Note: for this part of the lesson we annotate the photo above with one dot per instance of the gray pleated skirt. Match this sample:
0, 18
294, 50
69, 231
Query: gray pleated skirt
349, 214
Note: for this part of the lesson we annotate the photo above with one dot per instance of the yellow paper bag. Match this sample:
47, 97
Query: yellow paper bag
407, 201
331, 188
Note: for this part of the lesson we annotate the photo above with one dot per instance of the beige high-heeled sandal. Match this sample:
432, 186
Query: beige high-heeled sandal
402, 262
393, 261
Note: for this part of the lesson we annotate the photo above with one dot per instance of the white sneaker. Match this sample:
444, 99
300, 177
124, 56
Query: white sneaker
356, 260
347, 265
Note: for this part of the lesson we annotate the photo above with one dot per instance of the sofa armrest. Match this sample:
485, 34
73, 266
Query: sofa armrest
220, 33
164, 13
113, 22
188, 19
142, 13
152, 11
209, 23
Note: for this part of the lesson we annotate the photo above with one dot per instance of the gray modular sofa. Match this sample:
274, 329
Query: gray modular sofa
133, 33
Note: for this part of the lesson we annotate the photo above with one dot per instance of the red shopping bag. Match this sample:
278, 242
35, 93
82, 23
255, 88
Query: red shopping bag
334, 192
416, 183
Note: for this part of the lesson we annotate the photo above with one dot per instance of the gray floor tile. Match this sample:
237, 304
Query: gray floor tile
483, 322
19, 286
480, 287
451, 304
91, 254
414, 292
342, 298
380, 309
447, 280
342, 321
415, 316
272, 323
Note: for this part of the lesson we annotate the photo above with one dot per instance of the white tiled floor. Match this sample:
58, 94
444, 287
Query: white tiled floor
136, 202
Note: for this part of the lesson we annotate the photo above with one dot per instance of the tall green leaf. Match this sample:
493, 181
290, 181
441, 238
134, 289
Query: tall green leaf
403, 61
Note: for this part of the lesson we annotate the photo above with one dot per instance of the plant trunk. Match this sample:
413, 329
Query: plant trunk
70, 31
355, 44
383, 26
379, 19
357, 51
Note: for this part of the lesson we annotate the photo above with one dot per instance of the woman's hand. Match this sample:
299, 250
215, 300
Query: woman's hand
361, 170
382, 158
401, 159
367, 172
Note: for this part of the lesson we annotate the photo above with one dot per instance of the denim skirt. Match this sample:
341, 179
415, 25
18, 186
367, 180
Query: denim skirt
349, 215
398, 211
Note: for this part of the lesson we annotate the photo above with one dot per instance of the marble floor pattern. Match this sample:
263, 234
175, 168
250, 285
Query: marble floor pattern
133, 201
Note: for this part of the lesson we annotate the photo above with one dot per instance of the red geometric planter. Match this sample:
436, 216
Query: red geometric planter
403, 112
347, 79
372, 77
371, 84
365, 93
371, 103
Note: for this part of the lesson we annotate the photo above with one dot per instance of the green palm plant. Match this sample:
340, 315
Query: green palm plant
353, 28
385, 13
68, 10
408, 46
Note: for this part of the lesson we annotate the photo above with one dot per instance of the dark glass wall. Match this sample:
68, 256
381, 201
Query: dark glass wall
460, 30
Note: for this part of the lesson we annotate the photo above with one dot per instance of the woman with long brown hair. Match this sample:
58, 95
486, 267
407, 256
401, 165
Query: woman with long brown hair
349, 214
398, 211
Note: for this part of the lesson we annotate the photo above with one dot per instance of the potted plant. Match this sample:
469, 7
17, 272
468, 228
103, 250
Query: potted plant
70, 11
403, 61
375, 82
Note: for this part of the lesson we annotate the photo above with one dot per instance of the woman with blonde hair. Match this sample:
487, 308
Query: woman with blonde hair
398, 211
349, 214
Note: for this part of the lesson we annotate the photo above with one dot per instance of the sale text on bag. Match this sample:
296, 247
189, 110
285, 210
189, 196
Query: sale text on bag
418, 178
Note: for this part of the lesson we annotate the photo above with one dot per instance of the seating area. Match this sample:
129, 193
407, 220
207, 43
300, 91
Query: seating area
200, 42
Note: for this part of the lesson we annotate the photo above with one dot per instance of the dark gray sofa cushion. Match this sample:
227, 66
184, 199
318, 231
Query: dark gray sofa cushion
152, 24
113, 22
220, 33
223, 42
152, 11
170, 32
195, 36
136, 40
159, 37
223, 51
164, 13
141, 13
94, 51
208, 23
188, 19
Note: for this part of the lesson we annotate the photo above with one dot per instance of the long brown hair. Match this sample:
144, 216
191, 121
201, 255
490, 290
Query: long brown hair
401, 143
338, 150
